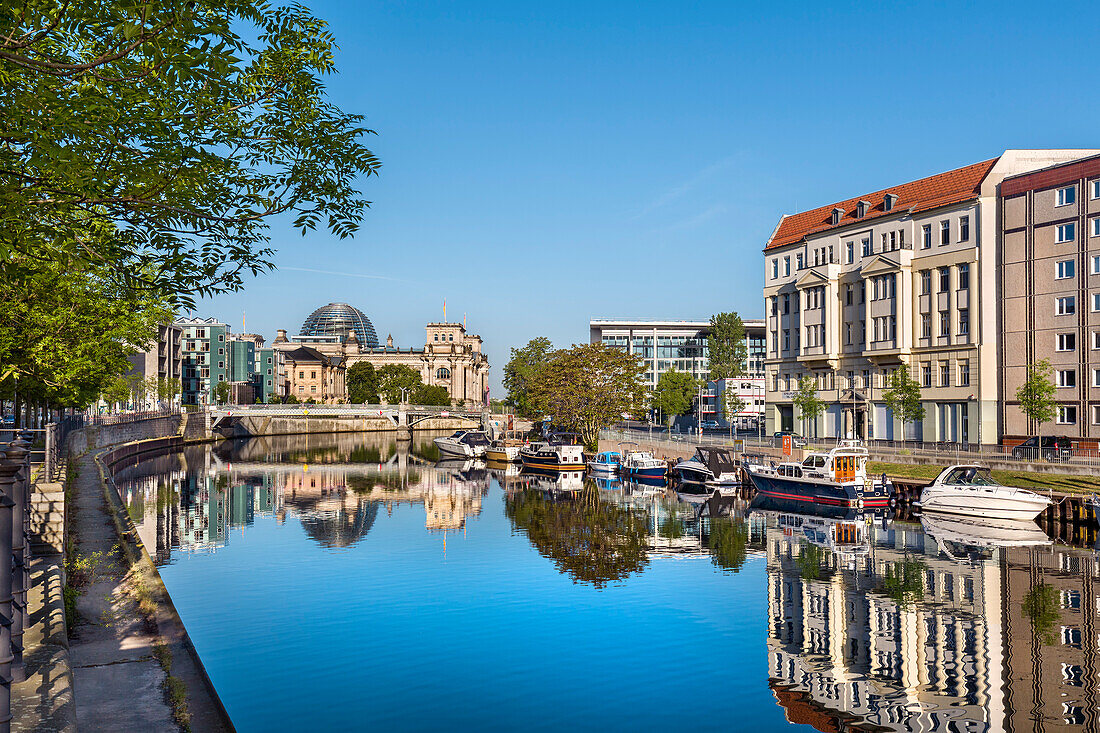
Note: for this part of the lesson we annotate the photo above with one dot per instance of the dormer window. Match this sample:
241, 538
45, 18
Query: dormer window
889, 200
838, 214
862, 208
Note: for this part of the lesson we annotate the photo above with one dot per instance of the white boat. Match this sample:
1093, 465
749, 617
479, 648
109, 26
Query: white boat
504, 451
709, 465
552, 456
465, 443
640, 464
970, 490
606, 463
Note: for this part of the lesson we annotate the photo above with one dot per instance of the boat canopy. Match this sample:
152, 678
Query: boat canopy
718, 460
967, 476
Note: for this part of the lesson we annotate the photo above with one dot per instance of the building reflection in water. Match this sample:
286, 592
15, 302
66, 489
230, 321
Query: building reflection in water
334, 486
887, 626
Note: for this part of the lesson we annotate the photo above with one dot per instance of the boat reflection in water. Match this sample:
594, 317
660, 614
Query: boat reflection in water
899, 627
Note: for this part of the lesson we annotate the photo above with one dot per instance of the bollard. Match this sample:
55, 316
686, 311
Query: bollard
20, 563
8, 470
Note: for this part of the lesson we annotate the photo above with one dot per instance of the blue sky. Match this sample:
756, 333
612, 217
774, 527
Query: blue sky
546, 163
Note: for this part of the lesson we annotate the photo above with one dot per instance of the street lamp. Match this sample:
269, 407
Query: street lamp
405, 391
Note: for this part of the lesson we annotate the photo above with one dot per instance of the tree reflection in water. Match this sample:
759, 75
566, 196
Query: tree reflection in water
813, 561
903, 581
590, 540
1040, 606
728, 543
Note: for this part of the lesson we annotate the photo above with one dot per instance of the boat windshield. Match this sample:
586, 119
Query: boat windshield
971, 476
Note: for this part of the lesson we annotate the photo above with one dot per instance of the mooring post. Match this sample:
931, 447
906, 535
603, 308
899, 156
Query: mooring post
8, 470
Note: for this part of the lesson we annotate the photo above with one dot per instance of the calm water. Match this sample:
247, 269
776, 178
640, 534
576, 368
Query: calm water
346, 583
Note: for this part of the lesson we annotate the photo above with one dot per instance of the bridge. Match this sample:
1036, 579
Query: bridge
244, 420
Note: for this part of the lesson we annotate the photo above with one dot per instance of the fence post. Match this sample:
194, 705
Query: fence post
8, 469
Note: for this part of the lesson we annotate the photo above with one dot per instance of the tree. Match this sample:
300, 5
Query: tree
362, 380
674, 394
589, 387
590, 540
431, 394
806, 399
732, 405
521, 372
903, 396
1036, 394
221, 393
726, 345
392, 378
157, 139
117, 391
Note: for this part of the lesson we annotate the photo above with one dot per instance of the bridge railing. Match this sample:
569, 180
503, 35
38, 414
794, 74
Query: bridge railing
358, 410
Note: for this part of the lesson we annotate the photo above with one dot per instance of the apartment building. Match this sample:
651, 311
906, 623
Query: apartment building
1049, 275
162, 361
205, 359
902, 275
665, 345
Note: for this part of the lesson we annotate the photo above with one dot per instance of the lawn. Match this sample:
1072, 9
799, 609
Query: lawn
1022, 479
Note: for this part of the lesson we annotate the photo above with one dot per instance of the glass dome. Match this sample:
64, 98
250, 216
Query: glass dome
337, 319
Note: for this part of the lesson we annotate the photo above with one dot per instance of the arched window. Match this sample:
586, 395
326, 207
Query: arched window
442, 373
452, 337
437, 337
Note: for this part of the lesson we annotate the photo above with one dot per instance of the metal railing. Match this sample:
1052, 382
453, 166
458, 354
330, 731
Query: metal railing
125, 417
15, 491
56, 435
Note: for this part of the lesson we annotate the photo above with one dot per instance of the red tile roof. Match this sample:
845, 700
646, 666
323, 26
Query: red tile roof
942, 189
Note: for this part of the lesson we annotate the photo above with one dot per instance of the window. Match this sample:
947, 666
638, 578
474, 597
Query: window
221, 365
850, 252
437, 335
964, 276
1067, 341
964, 321
1096, 379
775, 274
1096, 227
798, 261
964, 228
443, 373
301, 375
945, 323
926, 326
1096, 339
786, 266
925, 282
866, 247
964, 372
1063, 269
313, 388
1066, 196
1095, 263
847, 333
1066, 306
945, 232
926, 236
848, 294
775, 305
1067, 415
945, 374
1096, 189
786, 303
926, 374
1096, 414
945, 279
1095, 302
1064, 233
1067, 378
313, 375
786, 339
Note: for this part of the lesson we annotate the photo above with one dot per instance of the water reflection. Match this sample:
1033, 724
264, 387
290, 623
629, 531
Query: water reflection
871, 624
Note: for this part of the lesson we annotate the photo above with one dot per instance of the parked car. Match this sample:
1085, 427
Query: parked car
710, 425
1052, 448
797, 441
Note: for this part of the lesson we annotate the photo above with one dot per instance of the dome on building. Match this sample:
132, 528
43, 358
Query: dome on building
338, 319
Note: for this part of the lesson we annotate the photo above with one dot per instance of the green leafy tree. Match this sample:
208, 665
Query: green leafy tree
274, 399
221, 393
726, 345
392, 378
158, 139
292, 400
521, 373
1036, 394
674, 394
117, 391
732, 405
431, 394
590, 540
362, 381
903, 396
589, 387
806, 400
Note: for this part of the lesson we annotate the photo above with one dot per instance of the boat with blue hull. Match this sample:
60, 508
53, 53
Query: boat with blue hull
606, 463
834, 478
641, 465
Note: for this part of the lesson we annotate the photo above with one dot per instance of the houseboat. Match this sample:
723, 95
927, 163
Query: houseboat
837, 477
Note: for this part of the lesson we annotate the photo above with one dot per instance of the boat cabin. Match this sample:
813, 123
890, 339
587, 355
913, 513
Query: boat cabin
847, 463
970, 475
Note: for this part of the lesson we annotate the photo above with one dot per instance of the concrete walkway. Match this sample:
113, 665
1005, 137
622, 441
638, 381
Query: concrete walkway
117, 680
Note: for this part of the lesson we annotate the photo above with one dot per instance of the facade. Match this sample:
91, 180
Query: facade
271, 375
313, 375
163, 360
1049, 276
904, 275
205, 358
451, 357
682, 345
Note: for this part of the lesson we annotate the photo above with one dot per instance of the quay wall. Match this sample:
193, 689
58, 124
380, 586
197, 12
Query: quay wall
260, 425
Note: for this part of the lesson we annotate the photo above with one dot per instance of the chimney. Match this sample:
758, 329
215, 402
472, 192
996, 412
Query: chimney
280, 337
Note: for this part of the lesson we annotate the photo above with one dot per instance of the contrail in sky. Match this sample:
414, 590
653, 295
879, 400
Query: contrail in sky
346, 274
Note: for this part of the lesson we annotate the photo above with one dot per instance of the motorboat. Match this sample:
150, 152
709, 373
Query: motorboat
837, 477
970, 490
464, 443
709, 465
504, 451
554, 456
640, 464
606, 463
